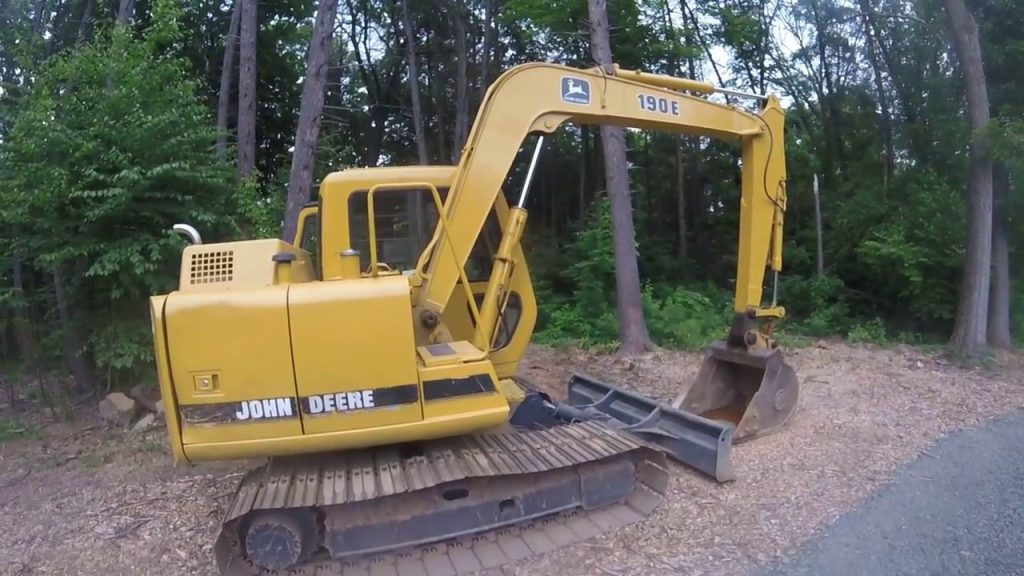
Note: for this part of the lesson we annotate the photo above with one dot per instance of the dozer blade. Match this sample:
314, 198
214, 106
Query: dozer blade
754, 391
696, 441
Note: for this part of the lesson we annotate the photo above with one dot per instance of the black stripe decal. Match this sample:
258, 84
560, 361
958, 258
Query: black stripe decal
349, 401
452, 387
243, 411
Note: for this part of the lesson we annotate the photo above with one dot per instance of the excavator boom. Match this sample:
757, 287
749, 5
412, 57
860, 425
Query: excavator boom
743, 380
541, 97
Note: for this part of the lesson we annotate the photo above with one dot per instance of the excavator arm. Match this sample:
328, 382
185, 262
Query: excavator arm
540, 97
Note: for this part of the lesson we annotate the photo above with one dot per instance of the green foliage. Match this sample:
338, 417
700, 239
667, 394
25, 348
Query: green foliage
258, 216
110, 149
914, 255
685, 318
587, 316
1017, 312
11, 429
871, 331
818, 304
676, 316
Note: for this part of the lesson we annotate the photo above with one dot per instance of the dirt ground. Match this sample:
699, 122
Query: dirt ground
84, 499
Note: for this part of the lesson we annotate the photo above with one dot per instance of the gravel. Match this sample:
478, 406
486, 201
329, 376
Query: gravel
84, 499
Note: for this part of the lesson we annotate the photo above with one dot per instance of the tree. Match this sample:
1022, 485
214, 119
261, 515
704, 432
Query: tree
310, 114
247, 90
970, 330
226, 73
999, 298
125, 11
633, 336
885, 119
110, 148
414, 83
457, 11
1000, 23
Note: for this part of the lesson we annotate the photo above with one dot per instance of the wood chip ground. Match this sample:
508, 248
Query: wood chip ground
86, 500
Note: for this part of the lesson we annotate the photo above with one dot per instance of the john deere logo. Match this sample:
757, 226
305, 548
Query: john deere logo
575, 90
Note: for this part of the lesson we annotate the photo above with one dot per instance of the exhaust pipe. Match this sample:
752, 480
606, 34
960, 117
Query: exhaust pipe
190, 233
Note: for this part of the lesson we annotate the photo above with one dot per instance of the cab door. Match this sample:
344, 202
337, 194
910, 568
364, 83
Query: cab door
307, 235
404, 225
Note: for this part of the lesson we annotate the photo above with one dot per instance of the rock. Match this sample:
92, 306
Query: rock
118, 409
145, 423
145, 396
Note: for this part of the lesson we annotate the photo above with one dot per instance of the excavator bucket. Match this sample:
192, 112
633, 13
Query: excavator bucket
754, 391
696, 441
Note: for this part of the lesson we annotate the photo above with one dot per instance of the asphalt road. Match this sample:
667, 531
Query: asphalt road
957, 511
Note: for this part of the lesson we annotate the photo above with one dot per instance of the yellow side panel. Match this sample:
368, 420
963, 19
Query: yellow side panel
228, 349
163, 372
354, 336
462, 390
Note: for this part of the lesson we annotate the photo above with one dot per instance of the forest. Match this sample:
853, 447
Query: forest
904, 149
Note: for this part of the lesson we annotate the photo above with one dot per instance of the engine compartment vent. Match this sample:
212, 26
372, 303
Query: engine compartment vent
212, 267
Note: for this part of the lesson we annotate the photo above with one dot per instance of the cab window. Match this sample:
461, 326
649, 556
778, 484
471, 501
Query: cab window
310, 239
404, 222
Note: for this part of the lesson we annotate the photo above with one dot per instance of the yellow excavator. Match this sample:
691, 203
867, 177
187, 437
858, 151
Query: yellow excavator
372, 360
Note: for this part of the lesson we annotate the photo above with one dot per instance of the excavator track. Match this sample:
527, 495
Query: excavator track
445, 507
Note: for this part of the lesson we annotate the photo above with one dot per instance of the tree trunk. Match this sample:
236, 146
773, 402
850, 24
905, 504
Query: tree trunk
999, 299
227, 70
28, 350
461, 81
684, 263
22, 326
633, 336
833, 159
488, 47
73, 342
375, 137
247, 90
970, 331
414, 202
85, 25
585, 169
437, 93
414, 84
37, 19
817, 229
695, 26
906, 98
371, 81
885, 120
310, 113
125, 11
697, 209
